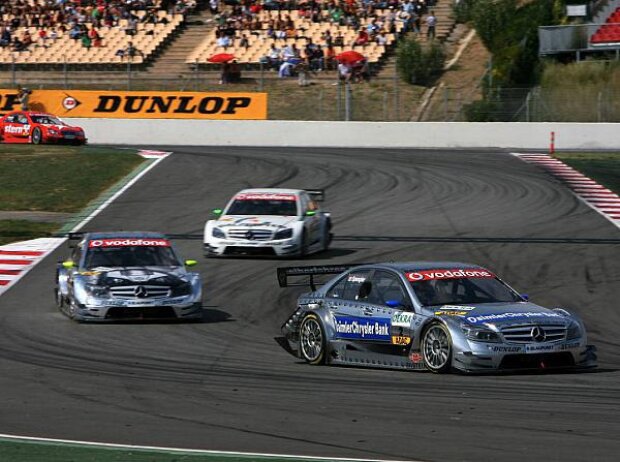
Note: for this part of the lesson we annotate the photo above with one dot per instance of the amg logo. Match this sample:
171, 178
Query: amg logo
171, 104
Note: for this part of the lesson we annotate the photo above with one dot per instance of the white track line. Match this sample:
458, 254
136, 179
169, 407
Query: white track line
602, 200
18, 258
185, 451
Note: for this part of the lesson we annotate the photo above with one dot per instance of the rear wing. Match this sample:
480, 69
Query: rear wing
74, 238
316, 194
309, 272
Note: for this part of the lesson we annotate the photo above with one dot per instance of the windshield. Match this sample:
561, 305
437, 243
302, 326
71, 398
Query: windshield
46, 120
264, 204
130, 252
448, 287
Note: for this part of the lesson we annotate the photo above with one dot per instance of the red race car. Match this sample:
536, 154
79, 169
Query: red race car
37, 128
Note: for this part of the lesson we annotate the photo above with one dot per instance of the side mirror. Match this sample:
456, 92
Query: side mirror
217, 212
191, 262
525, 296
310, 213
67, 264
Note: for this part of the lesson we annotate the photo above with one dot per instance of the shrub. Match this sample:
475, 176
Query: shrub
417, 64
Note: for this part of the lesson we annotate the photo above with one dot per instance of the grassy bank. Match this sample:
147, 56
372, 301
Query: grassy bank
602, 167
55, 179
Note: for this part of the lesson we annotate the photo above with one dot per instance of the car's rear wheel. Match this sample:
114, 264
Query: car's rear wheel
437, 348
312, 341
36, 136
305, 244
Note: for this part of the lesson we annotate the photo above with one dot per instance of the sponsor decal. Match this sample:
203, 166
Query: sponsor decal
265, 197
450, 313
402, 319
17, 130
128, 243
431, 275
143, 104
505, 349
539, 348
400, 340
569, 346
353, 327
415, 357
356, 279
457, 308
505, 316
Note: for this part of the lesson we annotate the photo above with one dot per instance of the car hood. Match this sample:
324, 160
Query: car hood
500, 314
152, 275
250, 221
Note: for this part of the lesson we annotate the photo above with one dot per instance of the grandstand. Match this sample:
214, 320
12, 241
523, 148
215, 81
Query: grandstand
168, 39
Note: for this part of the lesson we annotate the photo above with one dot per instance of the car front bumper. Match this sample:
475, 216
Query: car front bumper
481, 357
107, 310
224, 247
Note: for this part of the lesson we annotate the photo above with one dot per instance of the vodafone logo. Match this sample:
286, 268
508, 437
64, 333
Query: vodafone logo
432, 275
128, 243
70, 103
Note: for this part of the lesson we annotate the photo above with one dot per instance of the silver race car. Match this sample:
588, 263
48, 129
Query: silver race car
269, 222
126, 276
438, 316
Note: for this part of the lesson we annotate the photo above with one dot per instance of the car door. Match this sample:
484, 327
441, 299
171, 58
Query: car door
384, 300
312, 221
23, 127
341, 300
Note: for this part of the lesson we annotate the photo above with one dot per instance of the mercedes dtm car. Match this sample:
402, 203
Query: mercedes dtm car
127, 276
38, 128
438, 316
269, 222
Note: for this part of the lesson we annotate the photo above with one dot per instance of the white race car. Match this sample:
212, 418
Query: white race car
269, 222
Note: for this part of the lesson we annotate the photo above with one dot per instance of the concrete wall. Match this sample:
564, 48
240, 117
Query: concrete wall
350, 134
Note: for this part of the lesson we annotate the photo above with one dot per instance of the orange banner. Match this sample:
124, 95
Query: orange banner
141, 104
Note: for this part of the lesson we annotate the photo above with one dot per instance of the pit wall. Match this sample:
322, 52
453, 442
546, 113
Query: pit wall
350, 134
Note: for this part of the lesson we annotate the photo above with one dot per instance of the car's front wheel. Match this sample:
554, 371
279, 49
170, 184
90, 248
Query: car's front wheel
37, 136
312, 341
437, 348
60, 299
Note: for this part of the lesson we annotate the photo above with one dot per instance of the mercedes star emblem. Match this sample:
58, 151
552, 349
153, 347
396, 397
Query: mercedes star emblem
249, 235
538, 334
141, 292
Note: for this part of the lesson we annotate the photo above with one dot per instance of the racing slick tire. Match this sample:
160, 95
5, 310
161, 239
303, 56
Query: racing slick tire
36, 137
437, 348
326, 239
312, 341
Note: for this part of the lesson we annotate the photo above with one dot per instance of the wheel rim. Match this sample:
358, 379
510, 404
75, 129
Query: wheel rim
436, 347
311, 340
36, 136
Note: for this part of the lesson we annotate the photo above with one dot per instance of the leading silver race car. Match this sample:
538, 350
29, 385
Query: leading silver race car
269, 222
438, 316
126, 276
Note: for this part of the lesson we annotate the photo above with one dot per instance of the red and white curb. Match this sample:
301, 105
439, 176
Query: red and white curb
149, 154
603, 200
18, 258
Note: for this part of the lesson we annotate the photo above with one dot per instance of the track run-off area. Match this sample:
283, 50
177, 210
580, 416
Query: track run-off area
225, 384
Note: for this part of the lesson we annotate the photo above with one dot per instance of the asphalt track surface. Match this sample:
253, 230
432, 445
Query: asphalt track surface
225, 384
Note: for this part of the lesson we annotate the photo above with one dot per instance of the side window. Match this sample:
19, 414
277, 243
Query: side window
348, 288
22, 119
386, 286
10, 119
303, 203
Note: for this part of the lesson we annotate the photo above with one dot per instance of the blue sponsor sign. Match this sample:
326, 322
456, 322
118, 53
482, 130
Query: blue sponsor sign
353, 327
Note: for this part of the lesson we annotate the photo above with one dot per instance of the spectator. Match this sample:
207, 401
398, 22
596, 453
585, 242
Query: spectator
274, 57
24, 98
362, 38
5, 36
431, 22
244, 42
344, 72
223, 41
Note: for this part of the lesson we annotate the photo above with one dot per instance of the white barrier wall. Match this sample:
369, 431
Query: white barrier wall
350, 134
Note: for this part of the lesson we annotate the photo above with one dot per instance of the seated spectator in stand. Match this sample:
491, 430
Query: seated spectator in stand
223, 41
286, 69
362, 38
132, 26
339, 40
42, 35
24, 42
94, 36
5, 36
274, 57
76, 32
130, 51
318, 59
86, 41
330, 58
381, 39
244, 42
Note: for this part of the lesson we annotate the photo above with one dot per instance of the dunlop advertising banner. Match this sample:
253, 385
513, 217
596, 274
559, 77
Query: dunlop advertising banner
141, 104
